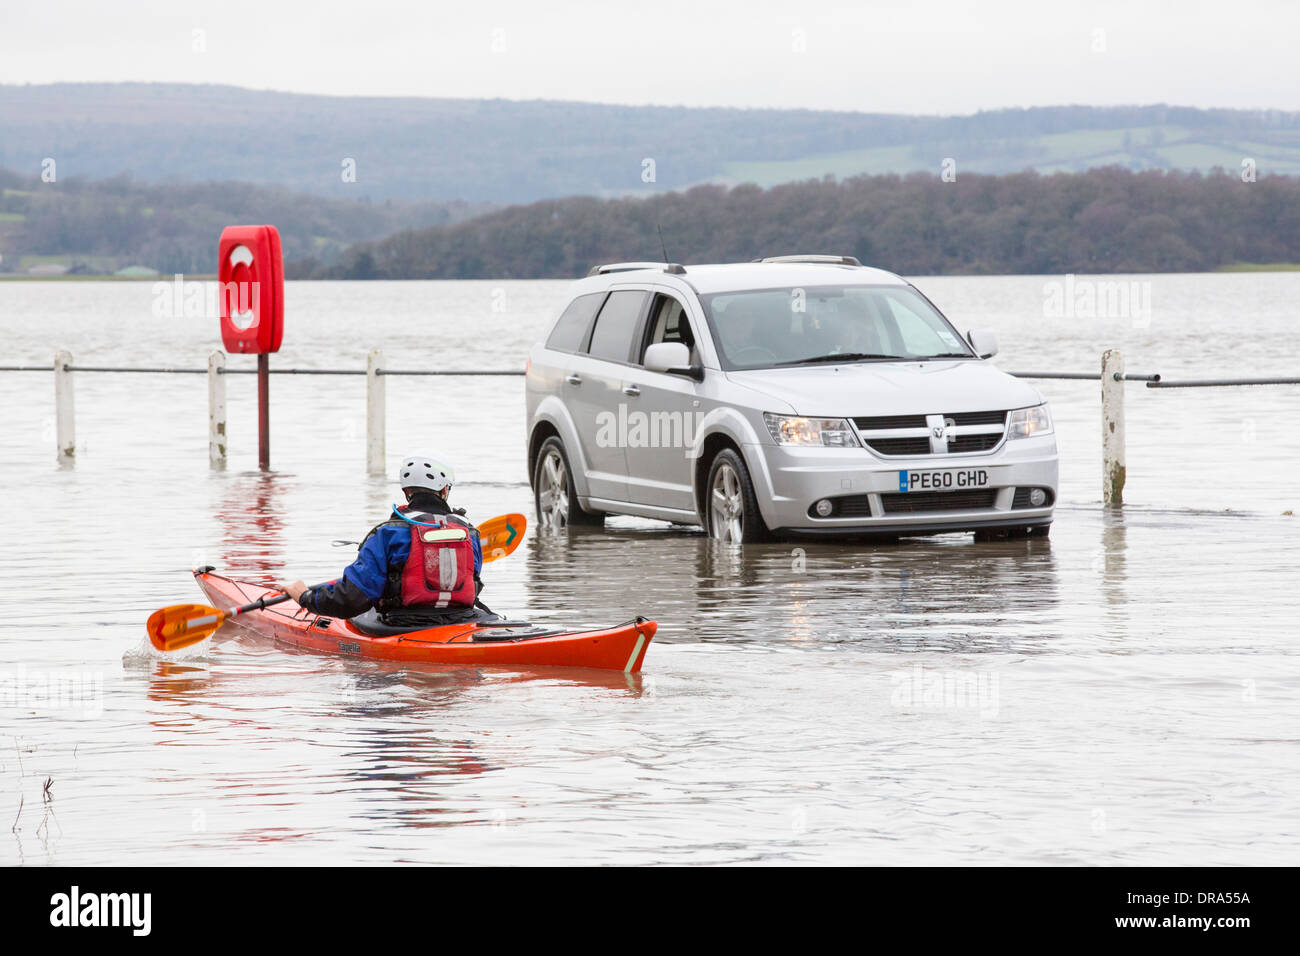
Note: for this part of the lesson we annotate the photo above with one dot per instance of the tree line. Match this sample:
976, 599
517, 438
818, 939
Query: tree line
1103, 220
174, 227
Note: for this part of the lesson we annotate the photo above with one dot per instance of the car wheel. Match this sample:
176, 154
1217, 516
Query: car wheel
731, 509
553, 490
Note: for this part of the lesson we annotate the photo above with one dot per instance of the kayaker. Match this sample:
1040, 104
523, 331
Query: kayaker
422, 564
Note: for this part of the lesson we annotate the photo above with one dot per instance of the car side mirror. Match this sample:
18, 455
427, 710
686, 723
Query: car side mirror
674, 358
984, 342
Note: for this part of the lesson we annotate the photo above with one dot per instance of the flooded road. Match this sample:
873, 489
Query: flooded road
1125, 692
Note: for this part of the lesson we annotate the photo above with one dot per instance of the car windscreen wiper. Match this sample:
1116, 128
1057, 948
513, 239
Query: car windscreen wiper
840, 357
922, 358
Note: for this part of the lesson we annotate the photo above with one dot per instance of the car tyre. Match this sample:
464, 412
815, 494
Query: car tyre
731, 512
554, 494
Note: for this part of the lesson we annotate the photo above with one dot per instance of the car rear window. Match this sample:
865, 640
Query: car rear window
617, 325
571, 329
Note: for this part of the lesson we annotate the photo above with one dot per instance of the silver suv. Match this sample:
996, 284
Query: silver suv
794, 395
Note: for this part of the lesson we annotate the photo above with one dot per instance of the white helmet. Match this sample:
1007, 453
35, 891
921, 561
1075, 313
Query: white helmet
425, 471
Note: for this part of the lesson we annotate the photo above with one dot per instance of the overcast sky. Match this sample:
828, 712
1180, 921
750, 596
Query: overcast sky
929, 56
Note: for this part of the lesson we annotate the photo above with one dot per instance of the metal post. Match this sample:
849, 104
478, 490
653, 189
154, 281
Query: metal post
375, 413
263, 411
1114, 466
65, 420
217, 410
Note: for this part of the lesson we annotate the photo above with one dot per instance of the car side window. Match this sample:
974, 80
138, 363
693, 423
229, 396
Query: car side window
571, 329
617, 325
668, 323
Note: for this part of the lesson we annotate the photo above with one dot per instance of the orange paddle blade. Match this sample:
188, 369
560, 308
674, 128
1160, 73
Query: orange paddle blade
182, 625
500, 536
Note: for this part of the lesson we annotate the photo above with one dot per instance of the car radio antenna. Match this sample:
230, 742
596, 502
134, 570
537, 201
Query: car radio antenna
660, 230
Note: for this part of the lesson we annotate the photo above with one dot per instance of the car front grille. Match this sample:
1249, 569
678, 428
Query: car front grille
901, 447
912, 438
889, 421
965, 444
917, 502
979, 418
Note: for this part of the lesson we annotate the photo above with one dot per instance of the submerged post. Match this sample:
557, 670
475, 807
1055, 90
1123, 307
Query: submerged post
264, 411
65, 423
217, 410
1114, 466
375, 421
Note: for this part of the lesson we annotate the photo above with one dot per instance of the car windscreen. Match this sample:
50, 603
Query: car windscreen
764, 328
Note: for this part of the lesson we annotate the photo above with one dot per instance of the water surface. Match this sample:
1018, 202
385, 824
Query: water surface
1124, 692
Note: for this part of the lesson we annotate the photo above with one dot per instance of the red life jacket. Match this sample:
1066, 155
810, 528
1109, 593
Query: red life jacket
440, 568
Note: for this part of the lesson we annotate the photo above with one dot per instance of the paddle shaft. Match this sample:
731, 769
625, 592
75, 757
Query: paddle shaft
265, 602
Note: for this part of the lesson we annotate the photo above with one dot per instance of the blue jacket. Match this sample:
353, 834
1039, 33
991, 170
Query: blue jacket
376, 573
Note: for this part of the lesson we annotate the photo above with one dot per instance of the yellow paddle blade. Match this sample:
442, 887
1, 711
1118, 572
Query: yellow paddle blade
181, 625
500, 536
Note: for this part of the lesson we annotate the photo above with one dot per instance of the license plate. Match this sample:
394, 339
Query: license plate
947, 480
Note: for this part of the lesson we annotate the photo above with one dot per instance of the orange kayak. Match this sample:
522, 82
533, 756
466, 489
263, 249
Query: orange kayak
492, 644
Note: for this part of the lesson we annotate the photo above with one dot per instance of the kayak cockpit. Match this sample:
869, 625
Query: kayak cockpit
484, 626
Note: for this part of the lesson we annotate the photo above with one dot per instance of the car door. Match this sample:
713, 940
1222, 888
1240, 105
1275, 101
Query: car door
664, 412
593, 384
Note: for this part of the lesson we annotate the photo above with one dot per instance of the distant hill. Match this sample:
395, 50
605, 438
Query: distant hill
103, 226
1103, 220
508, 152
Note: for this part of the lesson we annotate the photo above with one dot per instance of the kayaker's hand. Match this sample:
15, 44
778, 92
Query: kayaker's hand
294, 590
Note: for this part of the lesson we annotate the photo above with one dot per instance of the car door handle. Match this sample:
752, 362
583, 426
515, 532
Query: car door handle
631, 390
573, 378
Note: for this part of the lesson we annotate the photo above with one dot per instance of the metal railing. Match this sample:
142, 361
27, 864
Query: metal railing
169, 370
1112, 377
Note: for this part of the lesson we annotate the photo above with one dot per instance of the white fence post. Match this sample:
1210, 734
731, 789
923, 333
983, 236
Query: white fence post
375, 420
1114, 465
65, 417
217, 410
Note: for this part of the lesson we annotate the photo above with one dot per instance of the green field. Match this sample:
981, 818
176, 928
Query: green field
11, 277
1260, 267
1140, 147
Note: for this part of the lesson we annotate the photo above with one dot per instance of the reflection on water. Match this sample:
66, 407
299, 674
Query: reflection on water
251, 515
1114, 549
938, 593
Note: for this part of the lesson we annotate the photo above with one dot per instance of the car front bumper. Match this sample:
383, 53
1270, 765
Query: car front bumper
788, 481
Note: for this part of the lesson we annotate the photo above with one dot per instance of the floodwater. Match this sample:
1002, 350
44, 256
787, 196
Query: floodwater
1125, 692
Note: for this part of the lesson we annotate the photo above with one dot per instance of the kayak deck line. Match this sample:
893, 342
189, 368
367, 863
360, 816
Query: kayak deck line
418, 640
621, 647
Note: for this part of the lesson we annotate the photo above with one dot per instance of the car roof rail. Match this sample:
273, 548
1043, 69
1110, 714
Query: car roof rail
827, 260
672, 268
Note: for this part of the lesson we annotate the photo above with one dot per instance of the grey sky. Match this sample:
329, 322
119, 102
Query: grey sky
936, 56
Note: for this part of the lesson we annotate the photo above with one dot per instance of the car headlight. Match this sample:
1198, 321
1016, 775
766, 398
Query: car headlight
795, 430
1028, 422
